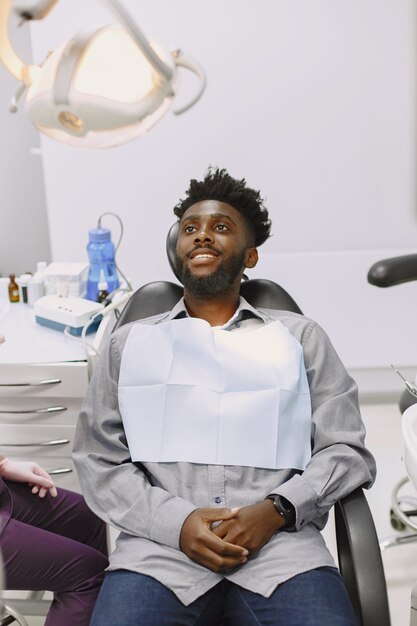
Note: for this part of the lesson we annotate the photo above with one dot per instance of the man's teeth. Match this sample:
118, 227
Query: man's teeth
204, 256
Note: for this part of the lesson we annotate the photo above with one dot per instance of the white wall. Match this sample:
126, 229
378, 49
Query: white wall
314, 103
24, 237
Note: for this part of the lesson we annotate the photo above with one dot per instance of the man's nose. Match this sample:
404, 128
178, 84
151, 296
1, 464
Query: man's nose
203, 234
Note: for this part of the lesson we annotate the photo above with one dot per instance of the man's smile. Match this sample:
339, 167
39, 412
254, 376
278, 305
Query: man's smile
202, 256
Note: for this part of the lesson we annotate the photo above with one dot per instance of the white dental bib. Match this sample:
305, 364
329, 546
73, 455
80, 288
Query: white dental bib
190, 392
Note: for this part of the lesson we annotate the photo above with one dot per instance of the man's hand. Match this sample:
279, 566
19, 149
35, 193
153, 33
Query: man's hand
200, 544
28, 472
252, 526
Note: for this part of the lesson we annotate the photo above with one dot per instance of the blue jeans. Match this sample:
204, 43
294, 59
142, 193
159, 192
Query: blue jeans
314, 598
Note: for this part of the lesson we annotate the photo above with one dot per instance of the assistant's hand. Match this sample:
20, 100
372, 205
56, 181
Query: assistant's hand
28, 472
252, 526
201, 545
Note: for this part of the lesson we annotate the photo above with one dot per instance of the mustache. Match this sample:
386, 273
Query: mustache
203, 247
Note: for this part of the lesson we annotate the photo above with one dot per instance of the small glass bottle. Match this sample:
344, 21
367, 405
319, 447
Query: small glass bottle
13, 289
102, 287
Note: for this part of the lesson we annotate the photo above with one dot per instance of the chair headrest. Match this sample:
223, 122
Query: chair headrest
171, 244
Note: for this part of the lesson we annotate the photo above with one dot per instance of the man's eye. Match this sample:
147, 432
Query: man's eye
221, 227
189, 229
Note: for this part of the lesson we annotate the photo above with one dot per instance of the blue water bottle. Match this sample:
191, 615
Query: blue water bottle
100, 250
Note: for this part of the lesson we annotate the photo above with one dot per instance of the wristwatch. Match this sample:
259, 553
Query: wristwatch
284, 508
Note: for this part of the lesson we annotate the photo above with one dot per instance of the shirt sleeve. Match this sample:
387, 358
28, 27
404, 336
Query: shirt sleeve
115, 488
339, 462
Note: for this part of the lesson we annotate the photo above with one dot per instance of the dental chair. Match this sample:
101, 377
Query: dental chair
389, 273
8, 615
359, 555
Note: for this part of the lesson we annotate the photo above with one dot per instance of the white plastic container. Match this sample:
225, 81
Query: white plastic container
67, 279
36, 289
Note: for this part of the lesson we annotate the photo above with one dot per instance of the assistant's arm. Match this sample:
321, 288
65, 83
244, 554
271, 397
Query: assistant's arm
28, 472
340, 462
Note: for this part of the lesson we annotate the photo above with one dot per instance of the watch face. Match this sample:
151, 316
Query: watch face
287, 513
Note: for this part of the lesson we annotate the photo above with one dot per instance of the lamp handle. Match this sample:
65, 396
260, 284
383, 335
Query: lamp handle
157, 63
182, 61
12, 62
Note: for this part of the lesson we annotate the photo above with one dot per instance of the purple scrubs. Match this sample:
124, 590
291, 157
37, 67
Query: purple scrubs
55, 544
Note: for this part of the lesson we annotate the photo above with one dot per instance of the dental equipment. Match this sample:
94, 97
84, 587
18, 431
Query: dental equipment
106, 86
66, 279
410, 387
68, 313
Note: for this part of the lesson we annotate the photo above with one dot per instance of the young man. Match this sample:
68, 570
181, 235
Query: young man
216, 437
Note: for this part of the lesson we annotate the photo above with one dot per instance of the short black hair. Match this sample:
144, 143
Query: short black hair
219, 185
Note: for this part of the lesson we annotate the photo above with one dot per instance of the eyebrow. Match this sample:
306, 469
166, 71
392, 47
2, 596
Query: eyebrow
214, 216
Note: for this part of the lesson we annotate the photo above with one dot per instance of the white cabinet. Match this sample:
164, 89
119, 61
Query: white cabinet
40, 400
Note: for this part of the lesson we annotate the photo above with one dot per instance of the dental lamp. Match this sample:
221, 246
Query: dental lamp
105, 86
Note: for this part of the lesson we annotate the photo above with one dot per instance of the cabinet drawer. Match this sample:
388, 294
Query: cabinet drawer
32, 442
47, 380
21, 410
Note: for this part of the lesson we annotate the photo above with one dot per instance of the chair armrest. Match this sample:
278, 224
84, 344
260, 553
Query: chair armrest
394, 271
360, 560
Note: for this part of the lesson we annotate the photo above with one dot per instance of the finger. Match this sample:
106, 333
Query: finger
219, 563
217, 515
223, 548
39, 471
35, 489
40, 481
221, 529
42, 492
53, 492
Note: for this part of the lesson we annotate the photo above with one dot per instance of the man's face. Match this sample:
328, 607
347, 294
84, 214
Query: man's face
213, 248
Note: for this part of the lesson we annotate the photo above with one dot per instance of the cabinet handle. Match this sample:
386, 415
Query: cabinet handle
53, 442
47, 409
35, 383
60, 470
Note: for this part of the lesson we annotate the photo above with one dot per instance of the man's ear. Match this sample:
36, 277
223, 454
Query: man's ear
251, 257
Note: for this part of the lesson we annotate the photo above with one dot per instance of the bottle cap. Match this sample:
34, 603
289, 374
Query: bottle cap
99, 234
102, 283
24, 278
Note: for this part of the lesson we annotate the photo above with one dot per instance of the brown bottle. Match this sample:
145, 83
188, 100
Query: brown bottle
13, 289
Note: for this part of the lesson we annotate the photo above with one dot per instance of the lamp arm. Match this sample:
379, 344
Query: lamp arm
183, 61
38, 9
157, 63
12, 62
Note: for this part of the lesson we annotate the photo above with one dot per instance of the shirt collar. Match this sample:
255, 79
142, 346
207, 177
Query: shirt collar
243, 311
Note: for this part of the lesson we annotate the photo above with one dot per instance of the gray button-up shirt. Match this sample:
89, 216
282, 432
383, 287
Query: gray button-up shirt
148, 503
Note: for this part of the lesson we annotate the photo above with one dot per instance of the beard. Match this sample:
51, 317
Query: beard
214, 284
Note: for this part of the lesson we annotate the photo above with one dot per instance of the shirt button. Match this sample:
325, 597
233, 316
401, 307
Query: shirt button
217, 499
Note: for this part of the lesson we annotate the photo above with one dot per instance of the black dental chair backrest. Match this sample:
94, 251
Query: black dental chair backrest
358, 550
